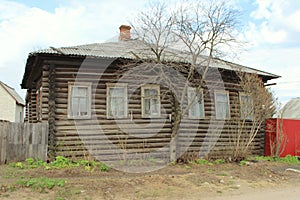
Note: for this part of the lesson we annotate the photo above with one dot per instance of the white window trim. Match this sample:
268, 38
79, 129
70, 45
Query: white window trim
150, 86
88, 85
193, 89
228, 104
116, 85
249, 117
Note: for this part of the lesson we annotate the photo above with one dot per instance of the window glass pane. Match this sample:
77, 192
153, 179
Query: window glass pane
201, 113
116, 92
246, 107
82, 91
150, 92
79, 101
120, 108
193, 110
200, 105
74, 91
221, 97
112, 106
83, 106
222, 111
117, 102
147, 106
154, 106
151, 101
79, 91
74, 106
222, 106
196, 108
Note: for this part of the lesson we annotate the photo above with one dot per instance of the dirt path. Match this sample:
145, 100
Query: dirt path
265, 181
289, 192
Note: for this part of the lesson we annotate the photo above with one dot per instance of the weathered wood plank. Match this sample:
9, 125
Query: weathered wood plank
22, 140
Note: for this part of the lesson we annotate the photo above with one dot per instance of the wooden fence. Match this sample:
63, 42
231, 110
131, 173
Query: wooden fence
19, 141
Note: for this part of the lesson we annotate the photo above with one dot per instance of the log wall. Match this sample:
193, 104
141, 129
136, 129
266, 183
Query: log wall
132, 137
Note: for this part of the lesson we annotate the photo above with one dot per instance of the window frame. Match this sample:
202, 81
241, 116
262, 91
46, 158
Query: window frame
249, 117
116, 85
143, 88
228, 104
201, 105
87, 85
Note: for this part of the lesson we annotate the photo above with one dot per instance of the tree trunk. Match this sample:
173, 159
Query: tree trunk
175, 128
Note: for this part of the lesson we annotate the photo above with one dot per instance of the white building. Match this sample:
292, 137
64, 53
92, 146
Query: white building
11, 104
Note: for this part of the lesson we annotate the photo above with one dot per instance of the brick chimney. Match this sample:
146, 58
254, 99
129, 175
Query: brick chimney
124, 33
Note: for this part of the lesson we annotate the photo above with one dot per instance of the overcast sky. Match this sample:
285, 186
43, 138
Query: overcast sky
272, 28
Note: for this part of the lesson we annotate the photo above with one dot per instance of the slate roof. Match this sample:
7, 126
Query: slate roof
11, 91
291, 110
132, 49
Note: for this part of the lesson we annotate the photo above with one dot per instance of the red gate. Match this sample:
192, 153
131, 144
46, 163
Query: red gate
282, 133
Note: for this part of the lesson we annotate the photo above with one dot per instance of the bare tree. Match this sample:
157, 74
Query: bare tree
255, 104
201, 31
276, 132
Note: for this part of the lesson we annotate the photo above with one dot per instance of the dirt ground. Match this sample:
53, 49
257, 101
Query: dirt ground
259, 180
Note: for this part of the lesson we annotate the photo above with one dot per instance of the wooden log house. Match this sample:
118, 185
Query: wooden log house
93, 111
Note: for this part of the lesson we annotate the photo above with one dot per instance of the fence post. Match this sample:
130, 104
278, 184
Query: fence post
3, 141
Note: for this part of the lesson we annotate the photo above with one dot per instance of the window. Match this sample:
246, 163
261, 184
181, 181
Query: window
196, 110
79, 100
150, 101
246, 106
222, 105
116, 100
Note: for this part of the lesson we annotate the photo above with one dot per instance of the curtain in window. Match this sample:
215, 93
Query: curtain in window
117, 102
222, 106
79, 101
246, 107
151, 102
196, 108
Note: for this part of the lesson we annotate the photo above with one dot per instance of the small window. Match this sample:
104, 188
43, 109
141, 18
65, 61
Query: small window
222, 105
116, 100
79, 100
195, 101
246, 106
150, 101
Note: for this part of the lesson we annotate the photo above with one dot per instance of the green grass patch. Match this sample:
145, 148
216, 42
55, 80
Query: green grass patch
243, 162
220, 161
290, 160
41, 183
59, 163
203, 162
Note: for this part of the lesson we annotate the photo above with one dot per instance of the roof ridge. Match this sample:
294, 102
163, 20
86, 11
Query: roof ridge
7, 85
124, 49
13, 93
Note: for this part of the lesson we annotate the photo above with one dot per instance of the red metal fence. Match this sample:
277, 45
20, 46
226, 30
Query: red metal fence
283, 137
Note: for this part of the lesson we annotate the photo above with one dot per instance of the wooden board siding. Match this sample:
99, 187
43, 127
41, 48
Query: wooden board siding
108, 139
19, 141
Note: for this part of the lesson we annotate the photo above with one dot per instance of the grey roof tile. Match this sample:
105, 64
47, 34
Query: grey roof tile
132, 48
